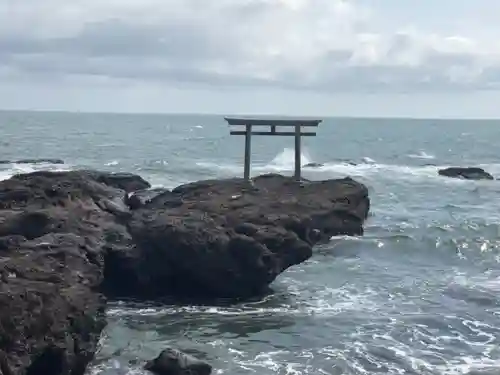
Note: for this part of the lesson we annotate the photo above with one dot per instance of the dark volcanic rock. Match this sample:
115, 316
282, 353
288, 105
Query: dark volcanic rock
174, 362
312, 165
142, 198
52, 241
67, 237
230, 238
125, 181
468, 173
51, 316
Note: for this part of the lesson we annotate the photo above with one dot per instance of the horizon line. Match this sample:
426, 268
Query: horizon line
216, 114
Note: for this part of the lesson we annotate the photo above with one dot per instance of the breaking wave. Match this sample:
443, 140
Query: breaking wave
421, 155
365, 167
9, 170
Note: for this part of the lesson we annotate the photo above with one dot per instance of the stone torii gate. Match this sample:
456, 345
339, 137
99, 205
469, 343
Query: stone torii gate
296, 124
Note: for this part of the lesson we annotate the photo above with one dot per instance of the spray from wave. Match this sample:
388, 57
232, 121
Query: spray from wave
286, 159
422, 155
9, 170
365, 167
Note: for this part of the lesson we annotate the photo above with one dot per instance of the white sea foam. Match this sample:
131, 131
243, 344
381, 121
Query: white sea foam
286, 159
368, 168
422, 155
485, 281
116, 368
15, 169
400, 347
368, 160
470, 365
326, 303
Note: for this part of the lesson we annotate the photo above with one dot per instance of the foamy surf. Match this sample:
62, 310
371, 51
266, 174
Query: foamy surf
366, 167
471, 366
368, 160
344, 169
422, 155
328, 302
286, 159
10, 170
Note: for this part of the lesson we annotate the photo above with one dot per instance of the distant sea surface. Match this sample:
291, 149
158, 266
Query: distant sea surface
418, 294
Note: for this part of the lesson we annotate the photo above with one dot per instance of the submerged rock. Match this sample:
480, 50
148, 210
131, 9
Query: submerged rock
33, 161
68, 238
174, 362
468, 173
312, 165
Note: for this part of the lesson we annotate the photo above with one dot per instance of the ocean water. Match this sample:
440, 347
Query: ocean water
418, 294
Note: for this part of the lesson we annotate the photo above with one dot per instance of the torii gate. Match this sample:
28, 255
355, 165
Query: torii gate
296, 124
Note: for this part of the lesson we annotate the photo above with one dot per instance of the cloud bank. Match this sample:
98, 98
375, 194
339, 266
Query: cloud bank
319, 45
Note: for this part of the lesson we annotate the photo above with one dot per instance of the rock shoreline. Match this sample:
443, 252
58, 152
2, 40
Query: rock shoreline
69, 240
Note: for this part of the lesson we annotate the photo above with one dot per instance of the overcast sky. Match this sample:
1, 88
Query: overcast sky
419, 58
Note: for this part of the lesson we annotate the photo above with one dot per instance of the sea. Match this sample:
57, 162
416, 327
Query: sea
419, 293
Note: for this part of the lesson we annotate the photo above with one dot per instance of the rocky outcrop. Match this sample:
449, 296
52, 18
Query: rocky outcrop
144, 197
227, 238
468, 173
51, 315
174, 362
53, 229
67, 239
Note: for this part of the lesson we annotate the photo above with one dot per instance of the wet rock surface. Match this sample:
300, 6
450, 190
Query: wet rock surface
142, 198
174, 362
67, 239
468, 173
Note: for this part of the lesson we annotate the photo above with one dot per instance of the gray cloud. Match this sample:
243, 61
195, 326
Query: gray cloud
252, 42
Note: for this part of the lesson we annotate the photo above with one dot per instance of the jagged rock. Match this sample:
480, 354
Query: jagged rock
51, 315
215, 245
468, 173
128, 182
67, 237
174, 362
142, 198
53, 236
